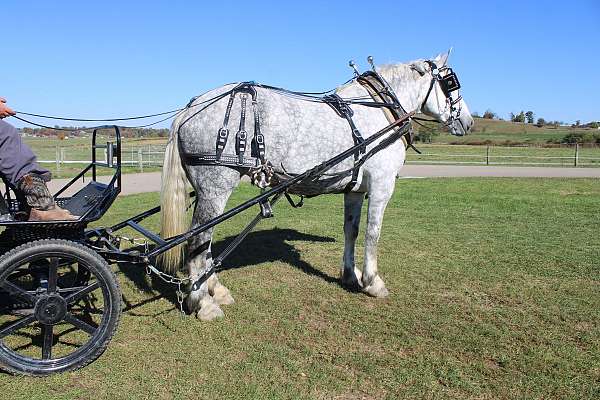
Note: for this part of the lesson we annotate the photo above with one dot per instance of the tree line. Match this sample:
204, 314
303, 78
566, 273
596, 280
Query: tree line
529, 118
72, 131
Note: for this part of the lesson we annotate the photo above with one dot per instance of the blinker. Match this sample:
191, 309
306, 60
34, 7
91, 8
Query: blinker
449, 83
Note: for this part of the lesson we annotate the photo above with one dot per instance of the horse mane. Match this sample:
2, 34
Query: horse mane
401, 73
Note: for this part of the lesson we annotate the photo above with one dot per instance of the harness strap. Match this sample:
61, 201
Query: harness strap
342, 108
258, 142
241, 136
231, 160
224, 132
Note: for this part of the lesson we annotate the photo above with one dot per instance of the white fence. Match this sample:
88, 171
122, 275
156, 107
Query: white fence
565, 156
139, 157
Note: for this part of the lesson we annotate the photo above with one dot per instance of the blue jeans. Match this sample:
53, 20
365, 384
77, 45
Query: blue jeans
16, 158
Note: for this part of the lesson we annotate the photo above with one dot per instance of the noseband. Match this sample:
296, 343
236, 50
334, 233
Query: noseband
448, 83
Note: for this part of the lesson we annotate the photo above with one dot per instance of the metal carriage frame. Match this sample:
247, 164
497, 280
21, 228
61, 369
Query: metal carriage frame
58, 273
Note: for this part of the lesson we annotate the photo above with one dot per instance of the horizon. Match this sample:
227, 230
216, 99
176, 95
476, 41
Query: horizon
101, 60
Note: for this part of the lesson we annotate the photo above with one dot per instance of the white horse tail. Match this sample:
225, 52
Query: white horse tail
173, 201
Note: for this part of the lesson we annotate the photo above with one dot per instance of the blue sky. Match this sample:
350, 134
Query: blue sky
115, 58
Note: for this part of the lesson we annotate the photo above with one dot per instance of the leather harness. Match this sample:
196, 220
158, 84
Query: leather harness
239, 160
381, 93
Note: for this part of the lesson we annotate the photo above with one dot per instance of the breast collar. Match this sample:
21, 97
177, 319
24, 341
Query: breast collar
381, 93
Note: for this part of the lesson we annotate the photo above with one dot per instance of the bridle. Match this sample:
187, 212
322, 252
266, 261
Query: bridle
449, 83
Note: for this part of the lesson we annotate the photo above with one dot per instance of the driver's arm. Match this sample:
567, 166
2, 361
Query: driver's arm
5, 111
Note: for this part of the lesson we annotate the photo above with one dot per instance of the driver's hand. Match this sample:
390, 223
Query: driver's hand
5, 111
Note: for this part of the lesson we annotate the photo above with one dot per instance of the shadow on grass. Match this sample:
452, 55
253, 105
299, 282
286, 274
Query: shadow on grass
269, 246
150, 284
258, 247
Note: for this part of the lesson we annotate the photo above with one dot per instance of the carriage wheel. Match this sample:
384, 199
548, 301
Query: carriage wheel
60, 304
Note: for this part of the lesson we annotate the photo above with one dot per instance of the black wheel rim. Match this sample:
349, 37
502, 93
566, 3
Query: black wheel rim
54, 309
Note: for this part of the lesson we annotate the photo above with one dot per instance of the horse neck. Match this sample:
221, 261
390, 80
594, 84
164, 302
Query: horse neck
410, 87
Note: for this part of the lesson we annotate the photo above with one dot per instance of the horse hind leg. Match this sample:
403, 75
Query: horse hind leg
213, 187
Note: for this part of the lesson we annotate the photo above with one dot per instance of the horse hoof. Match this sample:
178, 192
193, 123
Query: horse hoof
219, 292
352, 281
209, 311
222, 296
377, 288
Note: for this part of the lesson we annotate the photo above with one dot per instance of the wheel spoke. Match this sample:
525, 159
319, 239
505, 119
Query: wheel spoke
17, 291
64, 292
84, 326
17, 325
81, 293
52, 274
48, 332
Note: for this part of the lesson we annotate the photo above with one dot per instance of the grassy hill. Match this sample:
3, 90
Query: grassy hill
487, 131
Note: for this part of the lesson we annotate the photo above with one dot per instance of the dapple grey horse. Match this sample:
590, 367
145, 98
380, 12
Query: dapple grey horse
299, 134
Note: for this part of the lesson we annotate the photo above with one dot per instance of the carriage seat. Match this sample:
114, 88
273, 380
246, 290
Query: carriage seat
82, 202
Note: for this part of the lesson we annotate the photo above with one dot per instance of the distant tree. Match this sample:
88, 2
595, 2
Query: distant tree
520, 117
581, 137
540, 122
489, 114
593, 124
475, 114
577, 123
529, 116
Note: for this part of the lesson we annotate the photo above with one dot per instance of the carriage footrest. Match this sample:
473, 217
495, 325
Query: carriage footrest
85, 199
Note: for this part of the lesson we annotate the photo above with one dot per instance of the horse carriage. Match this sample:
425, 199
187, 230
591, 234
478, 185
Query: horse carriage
60, 301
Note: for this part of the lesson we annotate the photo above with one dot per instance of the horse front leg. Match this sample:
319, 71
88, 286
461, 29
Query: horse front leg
350, 276
379, 195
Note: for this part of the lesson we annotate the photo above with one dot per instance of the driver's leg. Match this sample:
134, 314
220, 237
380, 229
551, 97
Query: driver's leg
16, 158
19, 165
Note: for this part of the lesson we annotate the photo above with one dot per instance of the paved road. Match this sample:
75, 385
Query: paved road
150, 181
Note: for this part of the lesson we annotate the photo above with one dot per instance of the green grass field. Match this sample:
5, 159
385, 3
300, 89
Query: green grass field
494, 294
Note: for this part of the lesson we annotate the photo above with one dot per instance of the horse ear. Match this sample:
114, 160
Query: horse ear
420, 67
448, 55
442, 58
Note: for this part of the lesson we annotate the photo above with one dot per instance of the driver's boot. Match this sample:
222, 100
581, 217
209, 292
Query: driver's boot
4, 211
42, 204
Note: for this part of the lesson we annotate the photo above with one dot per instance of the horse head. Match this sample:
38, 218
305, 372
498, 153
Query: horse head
442, 99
